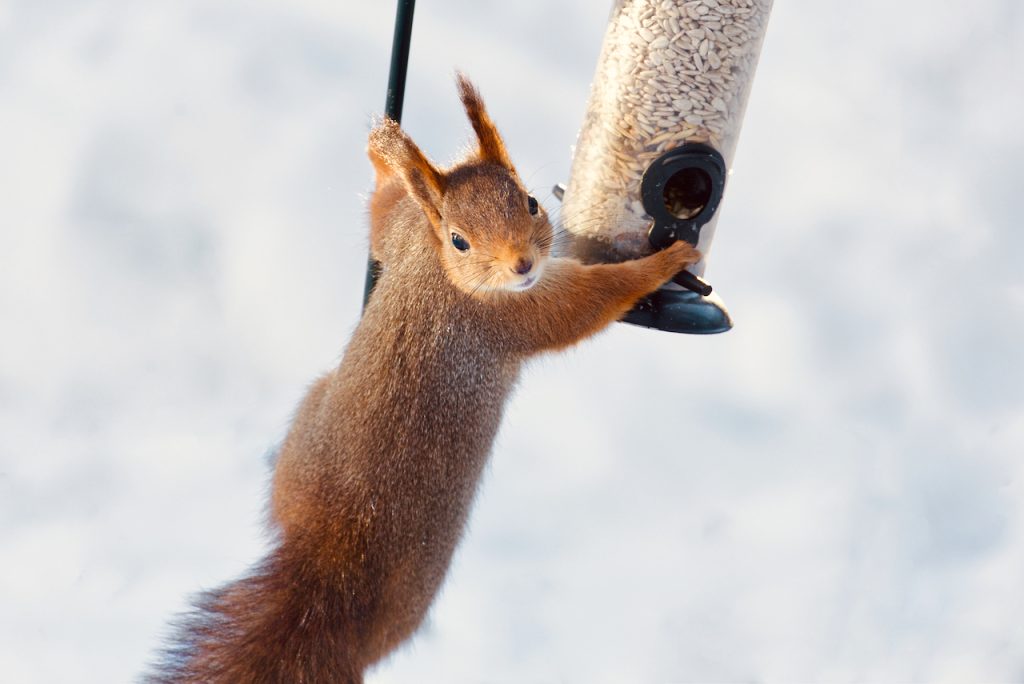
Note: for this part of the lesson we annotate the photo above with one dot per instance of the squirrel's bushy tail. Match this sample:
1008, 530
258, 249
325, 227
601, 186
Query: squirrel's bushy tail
281, 623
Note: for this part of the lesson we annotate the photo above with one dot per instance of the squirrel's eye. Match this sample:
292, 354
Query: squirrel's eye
532, 202
460, 243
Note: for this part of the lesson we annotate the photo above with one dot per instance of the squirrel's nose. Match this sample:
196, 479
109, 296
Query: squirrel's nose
523, 266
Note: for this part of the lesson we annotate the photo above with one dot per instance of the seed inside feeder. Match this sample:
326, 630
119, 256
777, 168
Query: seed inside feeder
671, 72
687, 193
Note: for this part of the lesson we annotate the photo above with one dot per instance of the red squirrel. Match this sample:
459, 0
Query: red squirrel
377, 474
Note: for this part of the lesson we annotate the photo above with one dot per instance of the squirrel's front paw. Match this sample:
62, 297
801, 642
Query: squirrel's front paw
676, 257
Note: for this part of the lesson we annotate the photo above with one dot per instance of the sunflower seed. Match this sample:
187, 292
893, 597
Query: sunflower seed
670, 72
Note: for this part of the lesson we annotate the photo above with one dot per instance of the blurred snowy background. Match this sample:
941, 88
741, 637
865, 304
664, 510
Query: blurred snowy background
832, 491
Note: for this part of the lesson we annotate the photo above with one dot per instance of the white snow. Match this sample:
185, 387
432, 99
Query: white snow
830, 492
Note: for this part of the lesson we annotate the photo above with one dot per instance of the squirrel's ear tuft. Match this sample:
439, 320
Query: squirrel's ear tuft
491, 146
425, 182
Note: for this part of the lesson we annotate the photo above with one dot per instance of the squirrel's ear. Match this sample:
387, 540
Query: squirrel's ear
491, 146
424, 181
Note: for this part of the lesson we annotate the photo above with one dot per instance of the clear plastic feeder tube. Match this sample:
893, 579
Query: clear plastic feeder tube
670, 73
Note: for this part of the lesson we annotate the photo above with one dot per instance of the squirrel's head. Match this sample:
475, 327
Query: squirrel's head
490, 233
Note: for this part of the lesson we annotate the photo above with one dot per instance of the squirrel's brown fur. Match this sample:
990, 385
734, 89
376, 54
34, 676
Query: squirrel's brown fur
374, 481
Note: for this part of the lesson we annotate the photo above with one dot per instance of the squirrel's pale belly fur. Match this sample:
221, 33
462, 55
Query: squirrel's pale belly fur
378, 472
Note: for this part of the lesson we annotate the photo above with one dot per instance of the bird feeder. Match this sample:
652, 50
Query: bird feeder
657, 143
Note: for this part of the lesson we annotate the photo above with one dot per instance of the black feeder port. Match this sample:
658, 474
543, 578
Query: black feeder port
681, 191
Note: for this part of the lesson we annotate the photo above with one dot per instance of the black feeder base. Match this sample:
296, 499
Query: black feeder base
681, 311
